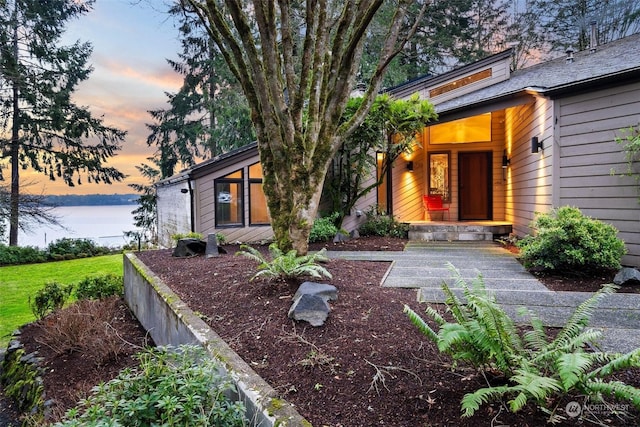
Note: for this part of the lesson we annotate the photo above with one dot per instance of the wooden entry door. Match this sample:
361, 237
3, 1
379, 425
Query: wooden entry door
474, 186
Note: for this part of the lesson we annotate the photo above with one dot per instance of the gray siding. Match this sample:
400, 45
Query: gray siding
206, 208
588, 125
529, 184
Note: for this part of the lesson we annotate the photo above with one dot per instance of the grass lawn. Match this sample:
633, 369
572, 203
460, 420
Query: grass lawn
18, 283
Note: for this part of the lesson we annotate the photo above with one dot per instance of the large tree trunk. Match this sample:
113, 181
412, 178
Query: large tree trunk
15, 148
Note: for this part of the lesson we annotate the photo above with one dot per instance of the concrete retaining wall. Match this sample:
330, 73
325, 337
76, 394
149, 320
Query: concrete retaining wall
170, 322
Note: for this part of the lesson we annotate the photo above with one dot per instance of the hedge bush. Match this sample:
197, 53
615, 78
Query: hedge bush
568, 241
10, 255
97, 287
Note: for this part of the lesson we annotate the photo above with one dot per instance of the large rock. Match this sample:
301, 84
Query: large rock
310, 303
189, 247
627, 277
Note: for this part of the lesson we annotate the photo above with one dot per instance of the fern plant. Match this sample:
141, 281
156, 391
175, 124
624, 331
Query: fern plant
287, 265
538, 369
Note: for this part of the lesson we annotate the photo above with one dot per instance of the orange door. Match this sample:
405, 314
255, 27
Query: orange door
474, 181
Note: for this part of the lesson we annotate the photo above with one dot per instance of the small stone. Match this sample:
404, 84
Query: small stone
627, 276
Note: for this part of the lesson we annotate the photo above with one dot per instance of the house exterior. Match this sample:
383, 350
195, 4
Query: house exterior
478, 156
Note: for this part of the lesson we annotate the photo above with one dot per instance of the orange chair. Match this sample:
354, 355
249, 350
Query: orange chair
433, 203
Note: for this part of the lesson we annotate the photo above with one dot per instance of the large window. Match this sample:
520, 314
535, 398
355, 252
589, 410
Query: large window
229, 200
258, 212
470, 129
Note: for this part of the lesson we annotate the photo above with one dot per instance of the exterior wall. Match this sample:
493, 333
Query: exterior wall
529, 177
500, 71
588, 124
408, 187
205, 207
173, 210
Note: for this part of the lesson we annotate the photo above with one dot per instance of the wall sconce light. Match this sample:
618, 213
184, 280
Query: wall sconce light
410, 166
505, 160
536, 145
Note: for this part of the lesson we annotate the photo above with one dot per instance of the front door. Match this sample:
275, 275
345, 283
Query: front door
474, 180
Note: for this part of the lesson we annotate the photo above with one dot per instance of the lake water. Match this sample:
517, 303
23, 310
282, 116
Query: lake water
103, 224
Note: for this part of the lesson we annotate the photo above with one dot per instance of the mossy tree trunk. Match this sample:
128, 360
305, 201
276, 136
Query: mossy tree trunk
297, 83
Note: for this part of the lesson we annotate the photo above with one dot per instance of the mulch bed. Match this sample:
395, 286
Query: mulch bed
367, 366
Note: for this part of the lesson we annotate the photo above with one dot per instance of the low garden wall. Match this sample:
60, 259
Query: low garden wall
169, 321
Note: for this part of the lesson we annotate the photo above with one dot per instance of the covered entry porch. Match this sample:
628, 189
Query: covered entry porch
458, 230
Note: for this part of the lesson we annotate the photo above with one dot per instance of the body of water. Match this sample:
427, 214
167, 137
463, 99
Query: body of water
105, 225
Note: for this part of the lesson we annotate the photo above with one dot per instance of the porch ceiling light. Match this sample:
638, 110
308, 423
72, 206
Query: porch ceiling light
410, 166
536, 145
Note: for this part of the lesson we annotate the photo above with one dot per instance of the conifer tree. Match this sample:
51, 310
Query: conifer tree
42, 128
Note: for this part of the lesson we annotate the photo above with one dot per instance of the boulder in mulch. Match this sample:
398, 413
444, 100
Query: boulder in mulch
627, 277
310, 303
189, 247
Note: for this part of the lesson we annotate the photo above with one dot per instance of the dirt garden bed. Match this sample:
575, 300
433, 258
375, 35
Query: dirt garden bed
367, 366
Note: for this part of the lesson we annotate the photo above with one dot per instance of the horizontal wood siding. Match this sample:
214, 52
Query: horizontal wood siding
588, 125
500, 71
529, 184
206, 208
408, 187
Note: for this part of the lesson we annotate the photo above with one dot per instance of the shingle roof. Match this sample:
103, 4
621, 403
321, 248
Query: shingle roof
610, 60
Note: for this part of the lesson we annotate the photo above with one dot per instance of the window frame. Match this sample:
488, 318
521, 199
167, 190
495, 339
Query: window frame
241, 201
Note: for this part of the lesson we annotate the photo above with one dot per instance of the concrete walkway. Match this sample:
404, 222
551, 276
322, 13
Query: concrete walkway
423, 266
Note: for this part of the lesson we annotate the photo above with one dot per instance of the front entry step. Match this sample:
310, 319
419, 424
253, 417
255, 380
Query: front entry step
471, 231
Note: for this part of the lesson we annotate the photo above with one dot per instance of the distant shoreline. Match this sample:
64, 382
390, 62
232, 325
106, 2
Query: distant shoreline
91, 199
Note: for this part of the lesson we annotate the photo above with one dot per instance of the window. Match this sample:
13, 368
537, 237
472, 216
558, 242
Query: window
439, 175
470, 129
229, 200
258, 212
382, 190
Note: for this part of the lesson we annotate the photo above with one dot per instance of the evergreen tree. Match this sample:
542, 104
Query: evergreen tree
567, 23
46, 131
209, 115
145, 215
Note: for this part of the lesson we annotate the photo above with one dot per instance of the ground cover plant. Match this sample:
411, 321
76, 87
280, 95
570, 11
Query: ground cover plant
534, 367
180, 387
18, 283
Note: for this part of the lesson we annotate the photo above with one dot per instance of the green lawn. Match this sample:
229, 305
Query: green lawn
18, 283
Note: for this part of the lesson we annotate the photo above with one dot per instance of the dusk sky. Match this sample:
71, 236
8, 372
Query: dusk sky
131, 42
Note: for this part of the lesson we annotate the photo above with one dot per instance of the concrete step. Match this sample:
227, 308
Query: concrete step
458, 231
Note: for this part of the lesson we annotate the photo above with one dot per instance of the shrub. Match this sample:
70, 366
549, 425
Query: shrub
10, 255
569, 241
97, 287
84, 327
384, 225
288, 265
536, 367
74, 248
171, 387
51, 297
190, 235
324, 229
